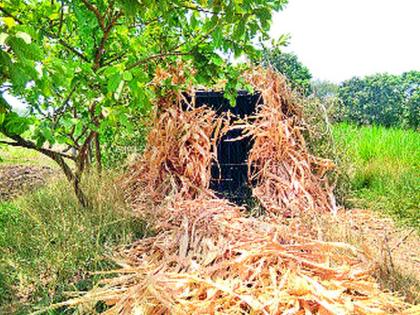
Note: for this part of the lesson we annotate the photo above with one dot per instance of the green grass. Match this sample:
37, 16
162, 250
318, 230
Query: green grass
49, 245
385, 169
16, 155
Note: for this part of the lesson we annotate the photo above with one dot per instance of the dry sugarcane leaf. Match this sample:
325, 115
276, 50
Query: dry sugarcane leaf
208, 257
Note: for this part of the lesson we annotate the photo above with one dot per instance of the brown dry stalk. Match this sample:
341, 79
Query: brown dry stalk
279, 160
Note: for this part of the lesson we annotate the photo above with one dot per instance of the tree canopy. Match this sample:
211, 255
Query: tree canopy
383, 99
324, 89
289, 65
85, 67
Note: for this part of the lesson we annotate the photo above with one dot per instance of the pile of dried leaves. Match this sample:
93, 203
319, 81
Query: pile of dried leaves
208, 256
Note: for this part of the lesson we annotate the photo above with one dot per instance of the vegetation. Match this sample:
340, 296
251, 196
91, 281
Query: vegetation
324, 89
384, 169
84, 68
382, 99
50, 245
288, 64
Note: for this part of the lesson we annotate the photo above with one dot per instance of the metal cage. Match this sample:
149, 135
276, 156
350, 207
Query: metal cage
230, 177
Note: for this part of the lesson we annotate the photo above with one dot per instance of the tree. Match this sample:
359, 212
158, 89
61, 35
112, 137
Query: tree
289, 65
85, 67
384, 99
324, 89
411, 90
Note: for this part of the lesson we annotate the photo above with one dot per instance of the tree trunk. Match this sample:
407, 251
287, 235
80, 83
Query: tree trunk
98, 154
84, 202
73, 178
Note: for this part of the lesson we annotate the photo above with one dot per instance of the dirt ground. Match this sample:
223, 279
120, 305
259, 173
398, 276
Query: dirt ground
17, 179
395, 249
381, 234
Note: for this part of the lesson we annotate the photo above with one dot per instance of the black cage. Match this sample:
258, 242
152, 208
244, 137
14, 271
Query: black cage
230, 177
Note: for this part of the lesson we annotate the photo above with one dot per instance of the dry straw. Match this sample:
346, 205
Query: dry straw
208, 257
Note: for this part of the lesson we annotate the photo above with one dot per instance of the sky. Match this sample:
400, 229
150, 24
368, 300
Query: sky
339, 39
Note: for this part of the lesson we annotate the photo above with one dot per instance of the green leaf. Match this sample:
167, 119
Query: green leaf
217, 36
24, 50
14, 124
127, 76
25, 36
130, 7
18, 75
114, 82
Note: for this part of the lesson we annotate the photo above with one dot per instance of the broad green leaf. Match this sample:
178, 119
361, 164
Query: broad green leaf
113, 82
25, 36
127, 76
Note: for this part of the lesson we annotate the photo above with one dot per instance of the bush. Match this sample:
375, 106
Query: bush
318, 116
49, 244
382, 99
298, 75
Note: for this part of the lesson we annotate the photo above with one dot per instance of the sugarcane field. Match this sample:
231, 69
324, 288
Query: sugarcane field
209, 157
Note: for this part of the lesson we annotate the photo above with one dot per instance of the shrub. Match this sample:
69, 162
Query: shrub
289, 65
382, 99
319, 115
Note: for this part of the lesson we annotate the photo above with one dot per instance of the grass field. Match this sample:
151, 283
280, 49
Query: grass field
15, 155
49, 245
384, 170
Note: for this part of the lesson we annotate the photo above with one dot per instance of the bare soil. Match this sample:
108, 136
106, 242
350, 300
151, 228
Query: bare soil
381, 234
18, 179
396, 250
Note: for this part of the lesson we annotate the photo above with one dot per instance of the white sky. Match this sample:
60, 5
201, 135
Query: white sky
339, 39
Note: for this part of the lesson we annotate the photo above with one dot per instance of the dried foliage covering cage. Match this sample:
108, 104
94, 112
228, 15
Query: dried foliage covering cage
229, 174
208, 256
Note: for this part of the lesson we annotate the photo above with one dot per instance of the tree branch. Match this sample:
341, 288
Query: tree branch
60, 111
7, 13
66, 45
114, 58
197, 8
60, 26
173, 49
101, 48
95, 11
157, 56
106, 30
61, 41
20, 142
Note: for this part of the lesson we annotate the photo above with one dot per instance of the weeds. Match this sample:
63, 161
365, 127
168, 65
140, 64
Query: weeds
48, 243
385, 171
